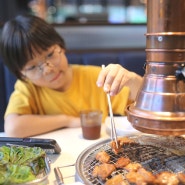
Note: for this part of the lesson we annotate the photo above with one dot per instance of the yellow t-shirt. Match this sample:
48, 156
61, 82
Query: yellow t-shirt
83, 94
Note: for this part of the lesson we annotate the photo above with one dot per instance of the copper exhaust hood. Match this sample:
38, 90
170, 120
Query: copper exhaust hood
160, 104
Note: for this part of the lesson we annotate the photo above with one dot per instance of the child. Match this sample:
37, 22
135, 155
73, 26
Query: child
50, 93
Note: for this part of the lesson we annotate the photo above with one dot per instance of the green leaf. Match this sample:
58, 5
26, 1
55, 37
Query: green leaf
20, 164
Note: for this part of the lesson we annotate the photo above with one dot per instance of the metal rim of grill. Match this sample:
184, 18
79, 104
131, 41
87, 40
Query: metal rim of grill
153, 158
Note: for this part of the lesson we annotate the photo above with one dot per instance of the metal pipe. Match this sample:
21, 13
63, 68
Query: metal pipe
160, 104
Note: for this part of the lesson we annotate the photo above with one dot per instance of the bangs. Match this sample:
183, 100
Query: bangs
21, 46
25, 37
30, 45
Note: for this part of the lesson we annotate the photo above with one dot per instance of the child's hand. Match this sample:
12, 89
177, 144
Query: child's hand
113, 78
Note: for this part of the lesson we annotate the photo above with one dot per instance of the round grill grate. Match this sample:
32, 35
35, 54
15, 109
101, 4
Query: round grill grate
149, 154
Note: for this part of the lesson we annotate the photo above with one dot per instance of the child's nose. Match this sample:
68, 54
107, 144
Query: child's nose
47, 68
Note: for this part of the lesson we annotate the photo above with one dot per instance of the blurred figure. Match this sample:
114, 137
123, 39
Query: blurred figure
49, 93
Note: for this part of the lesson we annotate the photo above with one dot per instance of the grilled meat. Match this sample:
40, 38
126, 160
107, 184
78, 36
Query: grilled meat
147, 175
166, 178
181, 177
121, 141
122, 162
116, 149
125, 140
134, 172
133, 176
103, 157
116, 180
132, 166
102, 171
140, 177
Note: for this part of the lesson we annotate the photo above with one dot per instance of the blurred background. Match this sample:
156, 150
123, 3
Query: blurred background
77, 11
88, 25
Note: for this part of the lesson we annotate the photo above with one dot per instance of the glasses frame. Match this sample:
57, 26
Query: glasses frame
49, 61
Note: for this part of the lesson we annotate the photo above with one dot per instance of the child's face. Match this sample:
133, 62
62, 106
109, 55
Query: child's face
48, 68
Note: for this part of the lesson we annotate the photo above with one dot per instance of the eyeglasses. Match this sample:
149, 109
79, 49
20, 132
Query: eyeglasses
51, 60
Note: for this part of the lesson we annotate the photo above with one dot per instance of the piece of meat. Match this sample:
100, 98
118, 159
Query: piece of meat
125, 140
116, 180
166, 178
103, 170
121, 141
147, 175
122, 162
95, 171
132, 176
140, 177
103, 157
116, 149
181, 177
132, 166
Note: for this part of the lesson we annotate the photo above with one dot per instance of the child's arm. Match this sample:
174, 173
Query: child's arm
30, 125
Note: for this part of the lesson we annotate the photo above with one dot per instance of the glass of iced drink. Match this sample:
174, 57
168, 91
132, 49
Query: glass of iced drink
91, 123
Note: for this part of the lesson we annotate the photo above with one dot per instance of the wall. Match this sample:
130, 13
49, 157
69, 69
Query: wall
103, 37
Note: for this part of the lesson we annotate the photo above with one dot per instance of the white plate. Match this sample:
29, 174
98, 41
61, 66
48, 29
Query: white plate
123, 126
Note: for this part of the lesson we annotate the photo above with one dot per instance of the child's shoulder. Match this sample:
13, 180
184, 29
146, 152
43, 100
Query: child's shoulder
20, 84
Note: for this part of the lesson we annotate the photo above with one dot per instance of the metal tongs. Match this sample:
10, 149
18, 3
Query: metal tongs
113, 128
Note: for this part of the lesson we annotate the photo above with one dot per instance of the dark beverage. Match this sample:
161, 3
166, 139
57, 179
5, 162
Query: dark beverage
91, 132
91, 123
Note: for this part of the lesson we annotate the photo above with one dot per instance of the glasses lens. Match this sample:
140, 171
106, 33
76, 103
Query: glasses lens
34, 73
52, 60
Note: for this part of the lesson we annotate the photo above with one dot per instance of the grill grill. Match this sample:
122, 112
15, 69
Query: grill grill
151, 156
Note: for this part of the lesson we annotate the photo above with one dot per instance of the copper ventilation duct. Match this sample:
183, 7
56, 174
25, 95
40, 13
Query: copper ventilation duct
160, 104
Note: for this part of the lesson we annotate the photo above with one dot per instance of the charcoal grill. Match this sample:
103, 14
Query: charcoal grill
149, 150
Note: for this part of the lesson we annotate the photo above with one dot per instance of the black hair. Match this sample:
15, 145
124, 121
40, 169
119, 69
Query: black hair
24, 35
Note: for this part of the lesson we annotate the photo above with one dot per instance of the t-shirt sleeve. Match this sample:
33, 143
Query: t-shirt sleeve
21, 100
